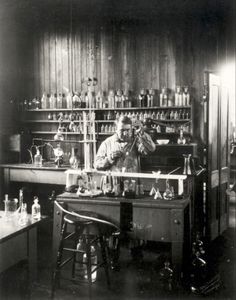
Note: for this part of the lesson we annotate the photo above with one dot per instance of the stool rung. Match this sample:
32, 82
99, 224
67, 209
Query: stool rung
72, 250
69, 235
66, 261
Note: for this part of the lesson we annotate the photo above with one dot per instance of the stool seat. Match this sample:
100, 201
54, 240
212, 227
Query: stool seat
76, 220
95, 230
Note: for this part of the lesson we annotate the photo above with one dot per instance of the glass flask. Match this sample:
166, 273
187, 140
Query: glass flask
168, 194
23, 214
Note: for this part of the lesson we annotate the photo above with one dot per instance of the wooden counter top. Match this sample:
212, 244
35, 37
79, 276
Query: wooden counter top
145, 201
46, 166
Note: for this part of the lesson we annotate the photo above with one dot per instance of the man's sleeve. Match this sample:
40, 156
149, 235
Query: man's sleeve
145, 144
102, 161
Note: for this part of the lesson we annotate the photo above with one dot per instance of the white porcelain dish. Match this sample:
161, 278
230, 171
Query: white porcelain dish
163, 142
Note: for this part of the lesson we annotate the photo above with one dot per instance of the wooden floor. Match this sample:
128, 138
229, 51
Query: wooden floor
136, 279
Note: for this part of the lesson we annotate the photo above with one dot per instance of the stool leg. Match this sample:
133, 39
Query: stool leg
104, 249
114, 252
75, 253
88, 265
56, 273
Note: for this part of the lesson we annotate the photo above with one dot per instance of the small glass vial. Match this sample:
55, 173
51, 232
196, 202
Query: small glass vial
36, 209
38, 161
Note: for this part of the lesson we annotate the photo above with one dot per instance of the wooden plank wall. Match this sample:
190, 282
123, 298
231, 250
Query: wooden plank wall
121, 56
56, 46
127, 53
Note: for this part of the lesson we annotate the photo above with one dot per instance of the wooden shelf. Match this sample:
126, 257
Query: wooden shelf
65, 121
68, 133
108, 109
97, 121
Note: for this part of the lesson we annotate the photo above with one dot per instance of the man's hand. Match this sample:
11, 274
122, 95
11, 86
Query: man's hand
115, 154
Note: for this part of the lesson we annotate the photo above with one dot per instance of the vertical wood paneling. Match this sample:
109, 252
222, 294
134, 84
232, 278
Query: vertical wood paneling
117, 53
41, 66
140, 57
171, 63
58, 62
47, 62
104, 58
98, 55
65, 66
84, 55
111, 60
52, 61
155, 60
37, 73
76, 64
148, 57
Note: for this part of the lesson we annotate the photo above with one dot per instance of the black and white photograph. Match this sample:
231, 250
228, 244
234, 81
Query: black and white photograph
117, 149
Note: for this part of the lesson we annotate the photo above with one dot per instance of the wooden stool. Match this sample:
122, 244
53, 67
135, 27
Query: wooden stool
93, 229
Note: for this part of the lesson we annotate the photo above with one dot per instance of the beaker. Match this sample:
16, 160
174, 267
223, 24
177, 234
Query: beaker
10, 207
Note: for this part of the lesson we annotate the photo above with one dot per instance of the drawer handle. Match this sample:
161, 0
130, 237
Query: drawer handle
58, 213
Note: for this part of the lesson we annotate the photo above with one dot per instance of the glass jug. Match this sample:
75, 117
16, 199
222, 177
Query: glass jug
10, 207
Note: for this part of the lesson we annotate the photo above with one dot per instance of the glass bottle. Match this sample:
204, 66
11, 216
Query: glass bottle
199, 270
187, 95
73, 159
63, 101
51, 101
54, 104
25, 105
75, 100
177, 91
38, 161
21, 197
80, 268
37, 103
36, 209
44, 101
181, 140
6, 200
59, 101
69, 101
166, 276
94, 261
168, 194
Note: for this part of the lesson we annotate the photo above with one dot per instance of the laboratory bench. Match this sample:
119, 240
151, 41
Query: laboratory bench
47, 174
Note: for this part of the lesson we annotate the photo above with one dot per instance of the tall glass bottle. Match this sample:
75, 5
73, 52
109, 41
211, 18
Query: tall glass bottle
44, 101
94, 261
